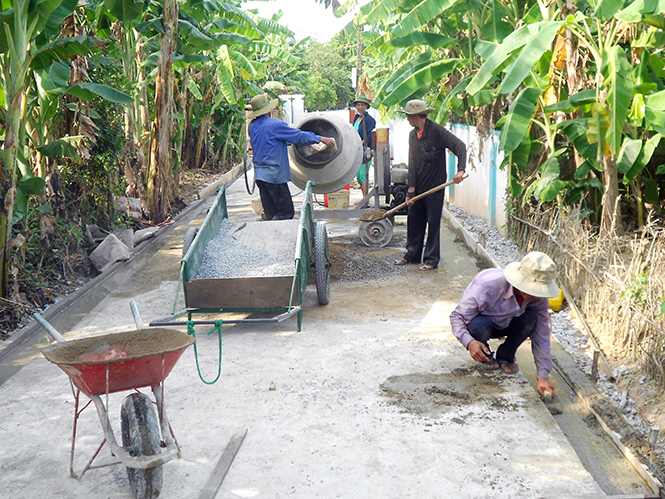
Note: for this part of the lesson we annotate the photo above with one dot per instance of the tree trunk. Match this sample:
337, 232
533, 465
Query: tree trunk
610, 218
134, 159
15, 73
161, 155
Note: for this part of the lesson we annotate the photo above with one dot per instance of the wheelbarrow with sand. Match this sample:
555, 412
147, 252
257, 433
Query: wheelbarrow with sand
100, 365
249, 272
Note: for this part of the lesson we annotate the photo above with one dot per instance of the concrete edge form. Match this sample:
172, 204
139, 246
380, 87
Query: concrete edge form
69, 308
221, 469
565, 365
227, 178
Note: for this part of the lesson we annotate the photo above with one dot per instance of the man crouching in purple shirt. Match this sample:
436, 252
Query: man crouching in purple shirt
512, 303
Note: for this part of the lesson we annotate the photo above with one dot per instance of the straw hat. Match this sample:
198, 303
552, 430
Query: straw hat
416, 106
260, 104
534, 275
363, 99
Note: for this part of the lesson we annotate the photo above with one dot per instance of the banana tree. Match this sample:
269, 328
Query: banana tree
427, 48
225, 53
23, 23
127, 14
159, 185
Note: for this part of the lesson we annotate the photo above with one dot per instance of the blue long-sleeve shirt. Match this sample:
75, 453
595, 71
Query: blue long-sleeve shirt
270, 139
370, 125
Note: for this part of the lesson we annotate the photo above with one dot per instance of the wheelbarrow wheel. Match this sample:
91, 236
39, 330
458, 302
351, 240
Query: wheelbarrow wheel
140, 436
322, 263
189, 239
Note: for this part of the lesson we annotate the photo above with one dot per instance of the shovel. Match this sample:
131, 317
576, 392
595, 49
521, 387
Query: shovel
375, 215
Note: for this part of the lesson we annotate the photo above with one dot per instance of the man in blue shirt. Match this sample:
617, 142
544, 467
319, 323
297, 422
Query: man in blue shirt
270, 139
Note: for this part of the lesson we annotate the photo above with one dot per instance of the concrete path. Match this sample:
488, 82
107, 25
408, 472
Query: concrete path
373, 398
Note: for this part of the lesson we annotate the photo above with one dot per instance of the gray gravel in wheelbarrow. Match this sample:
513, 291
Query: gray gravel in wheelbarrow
251, 249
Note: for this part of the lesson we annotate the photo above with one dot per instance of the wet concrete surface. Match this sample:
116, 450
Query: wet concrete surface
374, 397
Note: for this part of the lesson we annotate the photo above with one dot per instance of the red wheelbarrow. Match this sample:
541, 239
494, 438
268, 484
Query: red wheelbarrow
111, 363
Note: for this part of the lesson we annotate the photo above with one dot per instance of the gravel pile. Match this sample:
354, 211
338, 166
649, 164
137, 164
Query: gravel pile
352, 261
238, 250
566, 332
503, 250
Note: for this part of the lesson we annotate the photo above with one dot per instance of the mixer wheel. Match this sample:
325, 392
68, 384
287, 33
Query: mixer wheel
377, 233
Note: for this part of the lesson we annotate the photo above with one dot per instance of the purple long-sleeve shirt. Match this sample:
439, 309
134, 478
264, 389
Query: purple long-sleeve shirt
489, 294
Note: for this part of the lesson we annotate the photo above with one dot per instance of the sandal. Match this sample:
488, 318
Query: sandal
509, 367
401, 262
490, 365
426, 266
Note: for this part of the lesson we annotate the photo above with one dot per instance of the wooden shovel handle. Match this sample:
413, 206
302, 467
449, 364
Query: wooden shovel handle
420, 196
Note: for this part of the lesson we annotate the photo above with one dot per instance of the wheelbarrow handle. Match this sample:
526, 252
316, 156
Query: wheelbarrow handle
51, 330
137, 316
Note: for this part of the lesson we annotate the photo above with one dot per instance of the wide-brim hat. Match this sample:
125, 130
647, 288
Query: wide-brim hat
534, 275
416, 106
363, 99
261, 104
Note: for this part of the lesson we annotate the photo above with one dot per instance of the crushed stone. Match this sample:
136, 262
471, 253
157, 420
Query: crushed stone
255, 249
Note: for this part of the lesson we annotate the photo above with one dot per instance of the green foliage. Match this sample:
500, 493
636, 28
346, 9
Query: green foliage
513, 59
46, 257
326, 73
637, 289
90, 186
320, 95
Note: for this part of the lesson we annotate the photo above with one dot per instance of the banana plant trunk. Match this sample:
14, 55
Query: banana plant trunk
161, 152
610, 218
15, 73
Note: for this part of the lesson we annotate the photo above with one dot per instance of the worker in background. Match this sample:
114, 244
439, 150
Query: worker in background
511, 303
270, 139
428, 142
364, 125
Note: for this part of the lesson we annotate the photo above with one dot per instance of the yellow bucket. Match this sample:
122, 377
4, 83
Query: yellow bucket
557, 302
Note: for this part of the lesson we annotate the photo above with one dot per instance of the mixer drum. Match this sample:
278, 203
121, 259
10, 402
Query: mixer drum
330, 170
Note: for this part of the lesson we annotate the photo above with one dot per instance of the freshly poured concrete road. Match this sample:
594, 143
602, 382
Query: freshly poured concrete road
374, 398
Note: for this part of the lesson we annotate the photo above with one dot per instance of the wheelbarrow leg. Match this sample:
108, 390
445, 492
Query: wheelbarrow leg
167, 431
71, 456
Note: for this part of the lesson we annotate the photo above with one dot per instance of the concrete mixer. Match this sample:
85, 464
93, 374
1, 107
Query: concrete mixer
333, 169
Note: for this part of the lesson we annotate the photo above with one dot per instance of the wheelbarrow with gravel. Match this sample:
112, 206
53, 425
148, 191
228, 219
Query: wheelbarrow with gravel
238, 271
109, 363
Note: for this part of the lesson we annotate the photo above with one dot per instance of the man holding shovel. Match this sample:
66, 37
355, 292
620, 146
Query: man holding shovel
511, 303
428, 142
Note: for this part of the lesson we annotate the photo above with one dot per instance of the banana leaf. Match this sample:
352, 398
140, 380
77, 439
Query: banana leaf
617, 72
540, 42
643, 157
423, 13
424, 77
518, 119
